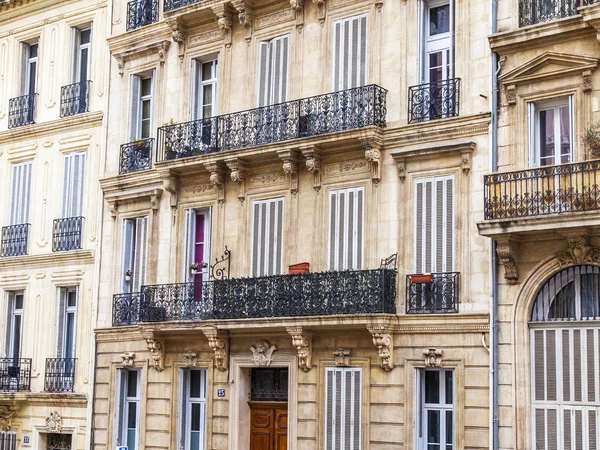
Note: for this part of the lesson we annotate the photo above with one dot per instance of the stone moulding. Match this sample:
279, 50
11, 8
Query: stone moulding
302, 340
383, 339
218, 341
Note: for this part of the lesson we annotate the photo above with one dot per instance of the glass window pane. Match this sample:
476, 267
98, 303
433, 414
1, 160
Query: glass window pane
207, 71
546, 132
85, 36
132, 378
146, 109
131, 439
432, 386
18, 302
32, 77
195, 426
72, 299
17, 337
207, 112
83, 75
195, 440
449, 386
449, 430
33, 50
590, 295
195, 378
131, 414
146, 86
433, 426
69, 335
207, 94
565, 134
439, 20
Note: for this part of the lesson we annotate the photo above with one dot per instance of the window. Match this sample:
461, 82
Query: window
135, 249
437, 41
193, 409
14, 325
346, 228
551, 132
350, 53
434, 225
343, 406
21, 193
73, 185
128, 408
82, 39
435, 427
267, 237
142, 93
8, 440
29, 55
273, 71
66, 316
196, 244
204, 89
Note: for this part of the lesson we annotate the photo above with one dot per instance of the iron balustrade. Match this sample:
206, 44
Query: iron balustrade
66, 234
328, 113
21, 110
126, 309
432, 101
544, 190
532, 12
15, 374
439, 295
75, 98
175, 4
136, 156
60, 374
15, 240
141, 13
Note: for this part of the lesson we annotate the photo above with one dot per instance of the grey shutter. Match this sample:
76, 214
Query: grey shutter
267, 231
346, 229
338, 423
134, 115
333, 208
256, 234
449, 226
591, 367
353, 53
21, 193
263, 74
128, 250
75, 40
196, 92
120, 405
359, 229
15, 202
24, 68
140, 253
428, 241
343, 409
419, 231
276, 237
60, 321
279, 64
337, 52
439, 226
355, 409
10, 301
78, 184
184, 389
341, 227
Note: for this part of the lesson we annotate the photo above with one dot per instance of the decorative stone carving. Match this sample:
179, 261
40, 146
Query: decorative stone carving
6, 415
54, 422
155, 200
162, 52
341, 357
511, 94
224, 22
378, 4
290, 168
383, 339
217, 179
262, 353
120, 64
113, 206
298, 7
302, 340
586, 84
245, 16
313, 164
433, 357
401, 164
157, 351
128, 359
219, 343
238, 169
320, 10
191, 359
465, 161
265, 179
507, 252
373, 156
170, 184
578, 252
178, 36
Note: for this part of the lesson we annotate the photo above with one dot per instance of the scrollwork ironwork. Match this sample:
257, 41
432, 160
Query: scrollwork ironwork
432, 101
66, 234
440, 295
15, 240
136, 156
141, 13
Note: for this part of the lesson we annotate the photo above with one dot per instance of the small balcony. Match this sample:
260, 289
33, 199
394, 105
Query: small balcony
21, 111
532, 12
66, 234
60, 374
170, 5
339, 111
126, 309
431, 101
141, 13
136, 156
75, 98
14, 240
432, 293
15, 374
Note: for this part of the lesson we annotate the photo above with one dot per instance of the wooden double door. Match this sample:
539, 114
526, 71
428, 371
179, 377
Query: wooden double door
268, 425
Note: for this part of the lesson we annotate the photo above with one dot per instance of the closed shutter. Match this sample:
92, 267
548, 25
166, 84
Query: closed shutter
24, 68
134, 116
60, 321
140, 253
8, 320
21, 193
343, 400
184, 389
273, 71
120, 407
188, 242
128, 250
75, 40
74, 173
350, 53
346, 229
267, 234
8, 440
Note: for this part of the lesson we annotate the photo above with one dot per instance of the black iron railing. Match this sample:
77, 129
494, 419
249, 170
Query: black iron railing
15, 239
66, 234
21, 110
126, 309
75, 98
432, 101
136, 156
539, 11
544, 190
338, 111
174, 4
141, 13
60, 374
435, 293
15, 374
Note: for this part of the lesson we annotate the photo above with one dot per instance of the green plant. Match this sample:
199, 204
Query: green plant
170, 122
591, 138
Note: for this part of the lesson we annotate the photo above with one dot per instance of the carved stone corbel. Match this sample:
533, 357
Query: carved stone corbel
313, 157
373, 156
162, 52
321, 13
239, 169
341, 357
578, 252
383, 339
302, 340
224, 22
586, 84
245, 16
170, 184
155, 200
511, 94
178, 35
113, 206
433, 357
217, 179
378, 4
465, 161
157, 349
401, 165
127, 359
7, 412
298, 7
191, 359
507, 252
120, 64
218, 341
290, 168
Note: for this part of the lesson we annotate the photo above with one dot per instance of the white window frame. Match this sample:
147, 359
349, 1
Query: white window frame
122, 410
199, 84
146, 98
21, 193
338, 57
135, 222
186, 402
14, 312
439, 42
442, 406
358, 224
79, 47
533, 109
64, 310
263, 264
29, 61
342, 409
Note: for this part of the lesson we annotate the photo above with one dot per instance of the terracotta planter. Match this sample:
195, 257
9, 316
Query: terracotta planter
421, 278
299, 268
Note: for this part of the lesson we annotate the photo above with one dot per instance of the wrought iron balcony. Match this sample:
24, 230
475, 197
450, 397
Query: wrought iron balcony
15, 374
21, 111
539, 11
432, 101
435, 293
175, 4
66, 234
338, 111
60, 374
126, 309
141, 13
15, 239
75, 98
561, 189
136, 156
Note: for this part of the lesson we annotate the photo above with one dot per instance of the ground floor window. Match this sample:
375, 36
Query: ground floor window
343, 408
435, 424
193, 409
128, 408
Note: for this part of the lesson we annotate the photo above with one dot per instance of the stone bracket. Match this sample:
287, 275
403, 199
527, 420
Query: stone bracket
245, 16
178, 34
373, 156
218, 341
239, 170
302, 340
224, 22
290, 167
507, 252
383, 339
217, 179
127, 359
313, 155
157, 349
298, 7
8, 410
433, 357
170, 184
321, 12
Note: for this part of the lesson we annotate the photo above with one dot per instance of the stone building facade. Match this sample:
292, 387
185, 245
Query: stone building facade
52, 82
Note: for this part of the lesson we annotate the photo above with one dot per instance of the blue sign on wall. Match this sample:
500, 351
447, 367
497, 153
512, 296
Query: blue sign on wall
220, 393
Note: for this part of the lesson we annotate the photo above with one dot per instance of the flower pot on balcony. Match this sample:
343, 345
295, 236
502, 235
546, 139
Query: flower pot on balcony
421, 278
299, 268
127, 277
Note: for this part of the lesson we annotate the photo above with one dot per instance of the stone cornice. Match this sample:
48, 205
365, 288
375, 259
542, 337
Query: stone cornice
143, 39
44, 398
133, 182
79, 257
9, 9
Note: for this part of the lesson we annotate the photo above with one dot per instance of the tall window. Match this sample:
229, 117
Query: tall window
14, 325
66, 316
82, 40
142, 104
435, 427
437, 41
128, 408
197, 244
346, 228
192, 417
204, 89
74, 174
273, 71
29, 55
8, 439
350, 53
267, 237
551, 132
135, 252
343, 408
21, 193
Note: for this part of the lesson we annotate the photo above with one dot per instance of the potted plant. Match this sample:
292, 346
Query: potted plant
421, 278
591, 138
128, 274
194, 267
170, 154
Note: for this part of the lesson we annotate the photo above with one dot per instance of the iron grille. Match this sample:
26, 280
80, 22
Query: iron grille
57, 441
432, 101
136, 156
75, 98
15, 374
437, 295
539, 11
21, 111
15, 239
126, 309
66, 234
60, 374
269, 384
8, 439
545, 190
141, 13
338, 111
175, 4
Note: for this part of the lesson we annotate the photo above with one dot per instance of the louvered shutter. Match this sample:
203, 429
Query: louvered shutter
74, 173
60, 321
279, 64
184, 389
24, 68
196, 92
21, 193
346, 229
263, 74
134, 117
67, 186
267, 233
343, 400
350, 53
8, 316
120, 406
188, 243
75, 40
128, 249
140, 253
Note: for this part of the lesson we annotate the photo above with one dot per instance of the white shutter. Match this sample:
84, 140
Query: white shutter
350, 53
121, 384
188, 242
140, 253
24, 68
346, 229
128, 250
267, 234
534, 157
184, 389
279, 69
8, 320
264, 73
21, 193
134, 117
75, 40
60, 321
343, 408
74, 173
196, 92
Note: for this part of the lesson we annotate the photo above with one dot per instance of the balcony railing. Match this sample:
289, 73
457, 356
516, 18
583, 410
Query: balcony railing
66, 234
136, 156
432, 101
126, 309
60, 374
15, 239
175, 4
338, 111
435, 293
141, 13
545, 190
539, 11
21, 111
15, 374
75, 98
311, 294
